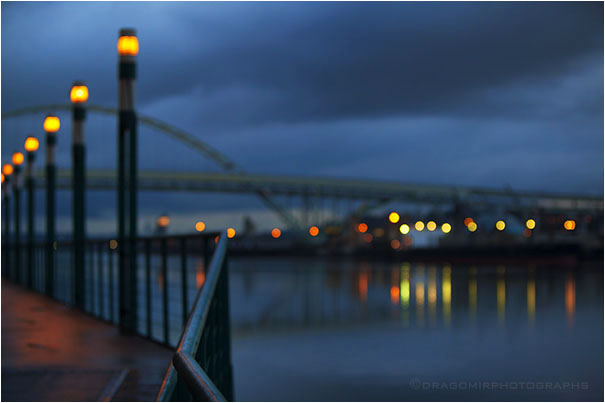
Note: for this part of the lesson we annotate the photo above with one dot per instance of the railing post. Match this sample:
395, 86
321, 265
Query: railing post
165, 289
184, 279
228, 388
148, 285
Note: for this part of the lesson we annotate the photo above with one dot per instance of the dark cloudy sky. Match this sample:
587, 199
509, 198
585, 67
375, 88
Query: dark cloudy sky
485, 94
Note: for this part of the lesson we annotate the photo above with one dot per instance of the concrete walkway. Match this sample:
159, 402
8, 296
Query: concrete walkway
51, 352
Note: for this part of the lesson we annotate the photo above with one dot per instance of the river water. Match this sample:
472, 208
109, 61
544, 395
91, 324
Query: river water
319, 329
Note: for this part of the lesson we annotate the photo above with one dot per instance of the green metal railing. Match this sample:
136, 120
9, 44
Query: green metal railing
170, 270
201, 367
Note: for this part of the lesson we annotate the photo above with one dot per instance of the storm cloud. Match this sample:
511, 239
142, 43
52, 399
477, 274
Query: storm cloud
483, 94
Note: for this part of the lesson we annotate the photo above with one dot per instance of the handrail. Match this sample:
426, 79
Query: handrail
198, 382
192, 331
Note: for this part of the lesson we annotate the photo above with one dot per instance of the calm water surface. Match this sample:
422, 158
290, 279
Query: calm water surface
321, 329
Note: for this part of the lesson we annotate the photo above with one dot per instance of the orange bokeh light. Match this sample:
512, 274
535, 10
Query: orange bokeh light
52, 124
362, 227
395, 244
163, 221
394, 295
7, 169
313, 231
200, 226
230, 233
128, 45
18, 158
78, 94
467, 221
31, 144
569, 225
275, 233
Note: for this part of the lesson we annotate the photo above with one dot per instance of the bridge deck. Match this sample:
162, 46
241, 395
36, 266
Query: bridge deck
51, 352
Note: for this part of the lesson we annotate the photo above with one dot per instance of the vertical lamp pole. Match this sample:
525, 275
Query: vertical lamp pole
128, 48
51, 126
7, 170
78, 96
17, 161
31, 146
3, 229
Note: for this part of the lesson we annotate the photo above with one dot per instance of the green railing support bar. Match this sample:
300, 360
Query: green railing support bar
197, 381
192, 332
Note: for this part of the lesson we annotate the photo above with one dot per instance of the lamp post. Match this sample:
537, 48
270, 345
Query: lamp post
31, 146
7, 170
51, 127
17, 161
128, 48
78, 96
4, 240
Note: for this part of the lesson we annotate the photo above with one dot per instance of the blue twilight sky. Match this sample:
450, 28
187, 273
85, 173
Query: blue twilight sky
485, 94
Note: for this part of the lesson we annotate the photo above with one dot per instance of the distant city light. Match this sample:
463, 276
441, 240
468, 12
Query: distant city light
314, 231
362, 227
18, 158
394, 295
431, 225
446, 227
530, 224
395, 244
31, 144
7, 169
472, 226
394, 217
275, 233
163, 221
467, 221
200, 226
230, 233
569, 225
419, 225
404, 229
113, 244
500, 225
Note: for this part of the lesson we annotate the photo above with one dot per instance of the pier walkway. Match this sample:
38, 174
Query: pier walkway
52, 352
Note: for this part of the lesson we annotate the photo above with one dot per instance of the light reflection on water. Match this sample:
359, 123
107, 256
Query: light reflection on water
441, 321
267, 294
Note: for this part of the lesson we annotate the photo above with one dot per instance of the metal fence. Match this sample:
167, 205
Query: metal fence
201, 367
182, 294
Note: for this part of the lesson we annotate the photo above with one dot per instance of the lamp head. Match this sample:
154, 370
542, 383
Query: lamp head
128, 43
7, 169
31, 144
18, 158
79, 92
51, 124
